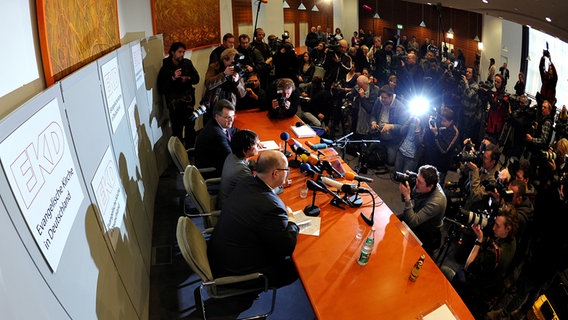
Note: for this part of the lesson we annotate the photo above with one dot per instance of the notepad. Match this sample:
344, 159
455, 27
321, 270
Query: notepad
304, 131
308, 225
443, 312
268, 145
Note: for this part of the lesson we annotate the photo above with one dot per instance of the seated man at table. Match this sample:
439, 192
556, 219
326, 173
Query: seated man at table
212, 143
424, 207
254, 232
244, 145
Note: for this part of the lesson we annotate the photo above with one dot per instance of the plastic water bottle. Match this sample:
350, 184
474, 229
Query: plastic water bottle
367, 248
416, 270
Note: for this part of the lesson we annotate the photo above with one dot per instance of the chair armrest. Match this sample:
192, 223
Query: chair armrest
213, 181
206, 170
215, 213
225, 286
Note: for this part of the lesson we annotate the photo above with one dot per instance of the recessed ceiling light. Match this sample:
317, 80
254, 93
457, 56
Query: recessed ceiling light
485, 1
548, 19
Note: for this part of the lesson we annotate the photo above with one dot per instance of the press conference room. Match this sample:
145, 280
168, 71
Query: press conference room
92, 199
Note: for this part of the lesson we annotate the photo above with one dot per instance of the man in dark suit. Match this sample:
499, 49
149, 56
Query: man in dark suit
212, 143
254, 232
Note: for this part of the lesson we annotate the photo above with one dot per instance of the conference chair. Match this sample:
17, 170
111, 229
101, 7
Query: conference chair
201, 193
193, 247
180, 157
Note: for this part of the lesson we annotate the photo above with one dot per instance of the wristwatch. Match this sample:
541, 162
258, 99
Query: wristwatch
477, 243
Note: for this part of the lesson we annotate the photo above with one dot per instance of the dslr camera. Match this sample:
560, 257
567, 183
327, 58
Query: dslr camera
249, 84
502, 190
281, 98
405, 177
238, 65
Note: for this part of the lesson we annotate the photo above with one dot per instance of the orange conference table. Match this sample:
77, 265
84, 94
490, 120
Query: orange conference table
337, 286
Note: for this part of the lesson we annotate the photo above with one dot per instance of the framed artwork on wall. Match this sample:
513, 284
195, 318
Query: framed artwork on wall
75, 32
195, 23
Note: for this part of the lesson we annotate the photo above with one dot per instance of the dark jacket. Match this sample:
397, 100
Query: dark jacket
212, 146
253, 233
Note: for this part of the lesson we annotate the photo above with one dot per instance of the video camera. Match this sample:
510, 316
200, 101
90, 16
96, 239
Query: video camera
405, 177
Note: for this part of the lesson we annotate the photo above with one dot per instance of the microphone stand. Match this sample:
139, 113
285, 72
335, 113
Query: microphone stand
312, 210
370, 221
286, 153
295, 163
355, 199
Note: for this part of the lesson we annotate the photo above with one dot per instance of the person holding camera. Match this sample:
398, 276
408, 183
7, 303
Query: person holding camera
489, 262
222, 81
478, 177
424, 207
285, 99
499, 108
255, 96
549, 79
175, 81
471, 113
440, 142
252, 60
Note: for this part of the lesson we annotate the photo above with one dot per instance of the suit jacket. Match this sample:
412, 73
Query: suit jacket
234, 170
212, 146
253, 233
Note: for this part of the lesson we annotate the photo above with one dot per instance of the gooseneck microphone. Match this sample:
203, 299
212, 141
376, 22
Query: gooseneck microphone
330, 169
312, 210
284, 136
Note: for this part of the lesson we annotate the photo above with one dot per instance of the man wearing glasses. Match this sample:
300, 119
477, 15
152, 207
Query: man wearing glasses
254, 232
212, 143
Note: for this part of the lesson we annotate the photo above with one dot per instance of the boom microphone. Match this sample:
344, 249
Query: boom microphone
201, 110
352, 176
327, 141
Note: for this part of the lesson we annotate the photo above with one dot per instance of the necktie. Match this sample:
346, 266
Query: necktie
228, 135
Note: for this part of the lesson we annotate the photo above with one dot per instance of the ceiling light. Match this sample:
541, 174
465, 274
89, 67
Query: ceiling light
302, 6
485, 1
376, 16
422, 24
476, 38
480, 45
285, 5
315, 8
548, 19
451, 31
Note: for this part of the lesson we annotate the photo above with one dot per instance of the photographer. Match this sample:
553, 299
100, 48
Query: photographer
222, 81
489, 261
284, 98
499, 108
486, 174
285, 61
337, 63
175, 81
252, 60
440, 142
520, 118
424, 207
549, 79
255, 96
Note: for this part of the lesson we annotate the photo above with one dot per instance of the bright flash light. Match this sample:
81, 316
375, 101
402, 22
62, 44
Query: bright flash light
419, 106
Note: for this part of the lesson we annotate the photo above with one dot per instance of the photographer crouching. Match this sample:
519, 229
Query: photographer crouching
424, 205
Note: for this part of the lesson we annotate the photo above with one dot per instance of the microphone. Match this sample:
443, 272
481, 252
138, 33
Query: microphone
330, 169
352, 176
307, 168
198, 112
327, 141
314, 185
344, 187
316, 146
297, 147
285, 136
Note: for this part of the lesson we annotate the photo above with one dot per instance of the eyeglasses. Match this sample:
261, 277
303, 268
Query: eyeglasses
285, 169
229, 118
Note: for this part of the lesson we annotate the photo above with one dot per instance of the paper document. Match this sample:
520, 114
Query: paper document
304, 131
268, 145
443, 312
308, 225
